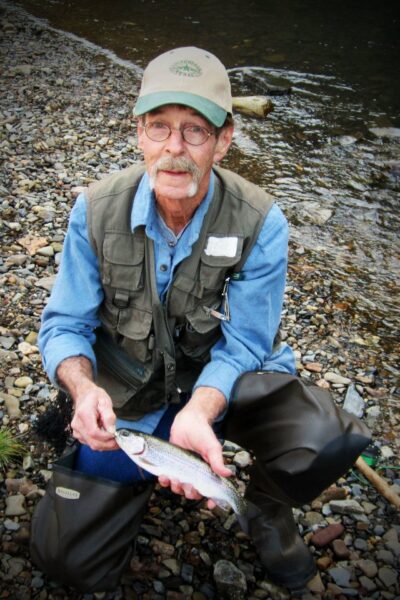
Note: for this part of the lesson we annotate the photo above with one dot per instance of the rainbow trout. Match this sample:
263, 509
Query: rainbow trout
162, 458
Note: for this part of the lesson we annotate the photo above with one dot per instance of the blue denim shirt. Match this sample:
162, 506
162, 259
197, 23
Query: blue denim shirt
255, 300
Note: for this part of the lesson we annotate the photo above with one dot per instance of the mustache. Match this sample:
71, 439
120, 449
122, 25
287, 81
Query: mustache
180, 163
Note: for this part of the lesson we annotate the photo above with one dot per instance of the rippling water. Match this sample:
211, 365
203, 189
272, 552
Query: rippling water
315, 151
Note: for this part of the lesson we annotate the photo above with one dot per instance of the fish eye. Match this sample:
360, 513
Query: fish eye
124, 433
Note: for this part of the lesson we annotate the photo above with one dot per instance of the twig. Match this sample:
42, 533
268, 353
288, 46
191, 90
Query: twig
378, 482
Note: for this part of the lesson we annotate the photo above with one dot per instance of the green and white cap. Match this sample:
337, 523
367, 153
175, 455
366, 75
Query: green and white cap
188, 76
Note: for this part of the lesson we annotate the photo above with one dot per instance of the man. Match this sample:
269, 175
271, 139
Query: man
170, 289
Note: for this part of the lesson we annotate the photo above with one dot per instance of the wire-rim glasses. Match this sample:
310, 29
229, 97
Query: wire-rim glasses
196, 135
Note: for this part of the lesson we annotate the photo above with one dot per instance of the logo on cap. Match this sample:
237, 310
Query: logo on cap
186, 68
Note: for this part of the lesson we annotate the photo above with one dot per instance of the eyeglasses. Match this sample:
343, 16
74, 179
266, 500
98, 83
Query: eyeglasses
192, 134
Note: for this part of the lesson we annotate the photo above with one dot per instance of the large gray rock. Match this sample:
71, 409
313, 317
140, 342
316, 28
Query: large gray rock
230, 581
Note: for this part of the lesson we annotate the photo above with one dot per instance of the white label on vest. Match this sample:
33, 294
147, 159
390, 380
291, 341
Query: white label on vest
221, 246
67, 493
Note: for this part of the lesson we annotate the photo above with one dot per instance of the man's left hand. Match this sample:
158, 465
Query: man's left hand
192, 430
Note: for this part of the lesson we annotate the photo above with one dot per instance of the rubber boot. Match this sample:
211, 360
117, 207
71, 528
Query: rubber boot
273, 530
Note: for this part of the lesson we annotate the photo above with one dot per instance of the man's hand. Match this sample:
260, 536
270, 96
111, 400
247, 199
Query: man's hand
94, 419
192, 430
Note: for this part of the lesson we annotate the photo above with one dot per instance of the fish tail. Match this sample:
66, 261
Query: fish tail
246, 513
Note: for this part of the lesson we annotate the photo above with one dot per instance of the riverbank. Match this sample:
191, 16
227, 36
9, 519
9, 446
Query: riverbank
65, 121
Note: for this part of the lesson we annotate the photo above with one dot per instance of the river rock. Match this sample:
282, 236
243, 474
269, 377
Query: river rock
323, 537
346, 507
388, 576
340, 575
353, 402
368, 567
230, 581
11, 404
46, 282
23, 382
340, 549
242, 459
336, 378
389, 132
27, 349
315, 585
368, 584
15, 505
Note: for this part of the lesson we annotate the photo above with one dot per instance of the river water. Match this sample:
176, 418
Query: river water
330, 150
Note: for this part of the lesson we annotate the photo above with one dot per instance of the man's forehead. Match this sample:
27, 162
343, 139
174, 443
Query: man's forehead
162, 110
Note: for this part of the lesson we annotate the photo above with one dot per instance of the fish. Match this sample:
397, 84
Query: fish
163, 458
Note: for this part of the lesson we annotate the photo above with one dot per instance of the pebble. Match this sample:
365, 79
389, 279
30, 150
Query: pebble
336, 378
340, 575
340, 549
388, 576
368, 567
346, 507
353, 402
242, 459
23, 382
12, 405
15, 505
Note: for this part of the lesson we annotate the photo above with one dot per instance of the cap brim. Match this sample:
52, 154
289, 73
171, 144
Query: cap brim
211, 111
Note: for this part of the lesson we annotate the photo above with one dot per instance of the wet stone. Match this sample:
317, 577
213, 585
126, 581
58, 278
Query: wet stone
368, 584
368, 567
340, 549
388, 576
230, 581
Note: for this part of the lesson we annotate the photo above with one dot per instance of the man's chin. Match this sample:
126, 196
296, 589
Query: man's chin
174, 192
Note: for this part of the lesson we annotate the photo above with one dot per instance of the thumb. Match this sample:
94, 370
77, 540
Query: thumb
216, 462
107, 415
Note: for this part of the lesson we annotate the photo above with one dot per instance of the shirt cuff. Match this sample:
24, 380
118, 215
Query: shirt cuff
66, 346
219, 375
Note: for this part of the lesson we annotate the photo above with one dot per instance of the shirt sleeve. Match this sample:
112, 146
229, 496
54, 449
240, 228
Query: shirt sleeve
255, 303
70, 315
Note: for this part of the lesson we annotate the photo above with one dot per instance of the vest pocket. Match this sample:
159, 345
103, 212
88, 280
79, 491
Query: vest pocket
213, 269
135, 325
123, 260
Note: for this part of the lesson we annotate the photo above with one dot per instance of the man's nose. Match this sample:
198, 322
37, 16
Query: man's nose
175, 142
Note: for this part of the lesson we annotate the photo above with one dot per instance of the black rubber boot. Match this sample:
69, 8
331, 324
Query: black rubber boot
273, 530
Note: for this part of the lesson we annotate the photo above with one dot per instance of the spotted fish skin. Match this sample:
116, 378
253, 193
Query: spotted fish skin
163, 458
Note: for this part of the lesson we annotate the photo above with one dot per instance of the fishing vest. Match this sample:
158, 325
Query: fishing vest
148, 352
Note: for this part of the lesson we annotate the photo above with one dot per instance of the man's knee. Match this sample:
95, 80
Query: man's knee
302, 441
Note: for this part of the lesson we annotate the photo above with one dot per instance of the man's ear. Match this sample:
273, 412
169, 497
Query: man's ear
223, 143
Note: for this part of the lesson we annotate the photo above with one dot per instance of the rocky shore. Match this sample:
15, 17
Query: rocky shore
65, 120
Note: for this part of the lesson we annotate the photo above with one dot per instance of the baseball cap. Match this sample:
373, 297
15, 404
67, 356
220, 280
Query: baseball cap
188, 76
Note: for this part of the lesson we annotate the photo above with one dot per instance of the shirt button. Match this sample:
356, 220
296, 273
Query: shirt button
163, 268
171, 244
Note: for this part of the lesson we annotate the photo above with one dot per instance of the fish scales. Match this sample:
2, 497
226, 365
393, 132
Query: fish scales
162, 458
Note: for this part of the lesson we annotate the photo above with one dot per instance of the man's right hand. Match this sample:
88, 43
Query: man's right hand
94, 419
